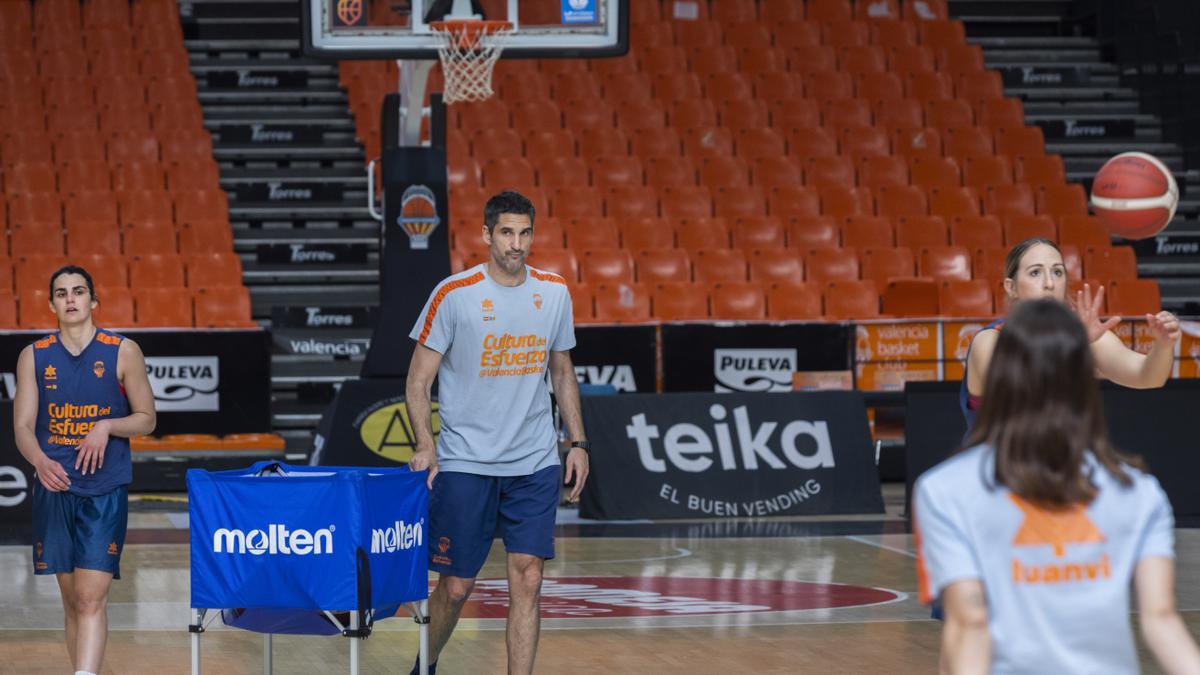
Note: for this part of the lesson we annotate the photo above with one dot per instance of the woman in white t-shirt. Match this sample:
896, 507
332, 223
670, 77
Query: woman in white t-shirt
1031, 536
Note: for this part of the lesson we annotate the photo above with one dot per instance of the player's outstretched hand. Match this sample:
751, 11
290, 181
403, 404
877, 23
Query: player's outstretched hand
89, 456
1164, 327
577, 469
54, 478
1087, 307
422, 460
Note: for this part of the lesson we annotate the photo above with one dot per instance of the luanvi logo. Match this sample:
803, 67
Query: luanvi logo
754, 369
689, 447
184, 383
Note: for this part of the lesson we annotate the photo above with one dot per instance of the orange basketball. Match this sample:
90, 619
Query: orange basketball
1134, 195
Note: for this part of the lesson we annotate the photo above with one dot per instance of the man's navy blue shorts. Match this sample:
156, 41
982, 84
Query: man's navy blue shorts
468, 511
75, 532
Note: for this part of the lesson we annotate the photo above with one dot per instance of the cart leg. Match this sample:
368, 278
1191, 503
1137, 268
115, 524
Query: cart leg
354, 644
423, 652
268, 664
196, 621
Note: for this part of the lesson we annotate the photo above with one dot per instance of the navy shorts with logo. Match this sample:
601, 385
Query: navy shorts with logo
72, 531
468, 511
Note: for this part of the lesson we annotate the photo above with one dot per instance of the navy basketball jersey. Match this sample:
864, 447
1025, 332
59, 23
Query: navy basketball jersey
965, 401
75, 392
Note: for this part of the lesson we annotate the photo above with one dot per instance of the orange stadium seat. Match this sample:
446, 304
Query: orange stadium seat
828, 85
30, 238
622, 302
677, 301
699, 33
1020, 141
908, 60
1083, 231
867, 232
668, 171
756, 143
901, 200
913, 142
610, 266
841, 34
8, 310
975, 232
720, 171
633, 115
559, 261
949, 114
929, 86
739, 201
1007, 200
1072, 260
227, 307
734, 12
713, 265
908, 298
156, 271
663, 59
831, 264
769, 172
829, 170
573, 202
191, 145
34, 311
751, 232
882, 265
839, 201
701, 142
1110, 263
812, 231
673, 87
1041, 170
588, 233
981, 172
810, 59
738, 301
132, 145
965, 298
213, 270
35, 207
564, 172
663, 265
772, 265
497, 143
115, 308
686, 202
109, 271
977, 86
960, 59
786, 86
204, 236
862, 60
840, 113
575, 87
630, 202
1134, 297
138, 175
898, 113
83, 175
793, 200
806, 143
640, 234
876, 172
851, 300
1001, 113
543, 144
756, 59
30, 177
919, 231
931, 172
93, 237
624, 86
149, 237
163, 307
1062, 200
944, 262
952, 202
989, 263
692, 113
1018, 228
694, 234
963, 142
877, 10
32, 148
714, 60
794, 301
652, 143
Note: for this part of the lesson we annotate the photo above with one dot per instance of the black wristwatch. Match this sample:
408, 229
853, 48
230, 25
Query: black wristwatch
583, 445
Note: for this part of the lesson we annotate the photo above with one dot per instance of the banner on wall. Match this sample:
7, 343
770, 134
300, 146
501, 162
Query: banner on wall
729, 455
752, 357
620, 356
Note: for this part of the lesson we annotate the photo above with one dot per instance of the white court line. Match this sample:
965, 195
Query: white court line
885, 547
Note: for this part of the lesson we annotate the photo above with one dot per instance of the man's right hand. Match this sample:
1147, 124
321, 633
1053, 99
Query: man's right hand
425, 459
52, 474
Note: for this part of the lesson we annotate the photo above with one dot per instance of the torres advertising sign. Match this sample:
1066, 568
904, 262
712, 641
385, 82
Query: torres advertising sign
729, 455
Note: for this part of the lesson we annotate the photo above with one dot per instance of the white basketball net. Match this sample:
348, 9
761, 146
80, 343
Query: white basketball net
468, 58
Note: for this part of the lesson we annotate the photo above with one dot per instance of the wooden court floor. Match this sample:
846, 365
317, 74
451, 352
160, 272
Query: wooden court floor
801, 596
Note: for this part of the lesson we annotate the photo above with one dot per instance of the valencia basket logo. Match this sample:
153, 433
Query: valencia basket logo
418, 215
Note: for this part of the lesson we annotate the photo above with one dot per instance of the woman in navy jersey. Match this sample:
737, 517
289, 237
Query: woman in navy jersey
81, 393
1034, 269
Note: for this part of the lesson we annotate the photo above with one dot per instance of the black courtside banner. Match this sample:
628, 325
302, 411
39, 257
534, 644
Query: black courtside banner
212, 382
369, 426
1155, 424
620, 356
16, 476
415, 244
729, 455
751, 357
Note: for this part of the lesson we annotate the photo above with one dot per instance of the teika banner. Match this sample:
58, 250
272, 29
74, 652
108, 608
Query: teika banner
729, 455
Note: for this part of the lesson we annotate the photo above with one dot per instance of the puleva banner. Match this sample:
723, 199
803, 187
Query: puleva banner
729, 455
290, 539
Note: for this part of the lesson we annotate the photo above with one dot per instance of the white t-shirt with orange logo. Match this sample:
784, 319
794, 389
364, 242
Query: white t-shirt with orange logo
1057, 582
495, 343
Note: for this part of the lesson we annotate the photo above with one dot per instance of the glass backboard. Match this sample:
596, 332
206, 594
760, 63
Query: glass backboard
399, 29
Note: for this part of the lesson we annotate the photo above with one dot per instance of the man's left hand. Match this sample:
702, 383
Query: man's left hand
577, 469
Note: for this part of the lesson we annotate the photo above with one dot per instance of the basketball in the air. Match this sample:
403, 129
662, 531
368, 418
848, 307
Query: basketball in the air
1134, 195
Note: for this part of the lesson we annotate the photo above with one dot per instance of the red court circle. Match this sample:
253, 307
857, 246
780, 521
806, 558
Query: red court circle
609, 597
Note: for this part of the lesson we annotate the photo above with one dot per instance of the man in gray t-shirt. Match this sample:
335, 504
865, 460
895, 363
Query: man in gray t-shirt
490, 335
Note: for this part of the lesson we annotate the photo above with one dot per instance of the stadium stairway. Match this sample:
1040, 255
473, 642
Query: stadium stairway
1089, 111
285, 142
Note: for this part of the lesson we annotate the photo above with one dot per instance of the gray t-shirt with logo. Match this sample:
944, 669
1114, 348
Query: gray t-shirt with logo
1057, 581
495, 343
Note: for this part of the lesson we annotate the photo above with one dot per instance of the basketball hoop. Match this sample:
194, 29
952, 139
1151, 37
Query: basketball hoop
468, 51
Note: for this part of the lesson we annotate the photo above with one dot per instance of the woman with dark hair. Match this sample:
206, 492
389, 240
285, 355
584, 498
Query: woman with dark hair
1034, 269
1030, 537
